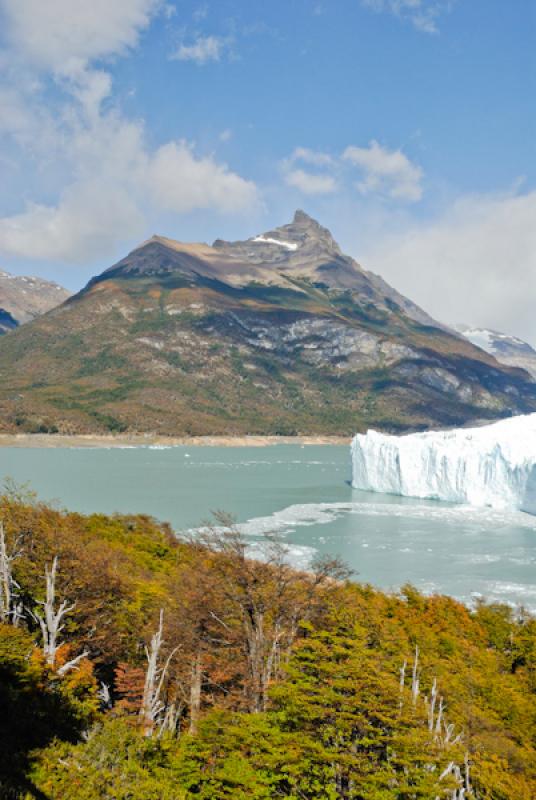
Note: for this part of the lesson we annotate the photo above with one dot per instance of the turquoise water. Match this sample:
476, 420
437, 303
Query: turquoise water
304, 493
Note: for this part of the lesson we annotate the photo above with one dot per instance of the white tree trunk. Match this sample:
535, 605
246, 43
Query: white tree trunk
10, 609
152, 707
51, 622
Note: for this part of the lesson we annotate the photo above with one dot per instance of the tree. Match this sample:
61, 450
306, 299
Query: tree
268, 598
153, 709
51, 622
10, 606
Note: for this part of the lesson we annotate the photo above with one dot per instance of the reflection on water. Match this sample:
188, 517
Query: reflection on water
304, 493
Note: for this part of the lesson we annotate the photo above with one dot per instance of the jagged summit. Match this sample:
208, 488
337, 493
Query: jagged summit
304, 231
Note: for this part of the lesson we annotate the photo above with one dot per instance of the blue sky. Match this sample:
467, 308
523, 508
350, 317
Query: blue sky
405, 126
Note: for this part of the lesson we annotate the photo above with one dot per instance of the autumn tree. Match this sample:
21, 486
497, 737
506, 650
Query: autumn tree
266, 597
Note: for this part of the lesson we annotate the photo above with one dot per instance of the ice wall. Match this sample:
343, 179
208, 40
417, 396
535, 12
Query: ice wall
494, 465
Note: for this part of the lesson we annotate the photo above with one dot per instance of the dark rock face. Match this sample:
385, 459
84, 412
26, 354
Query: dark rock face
280, 333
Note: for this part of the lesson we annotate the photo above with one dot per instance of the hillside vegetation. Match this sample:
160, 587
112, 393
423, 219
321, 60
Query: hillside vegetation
246, 338
185, 670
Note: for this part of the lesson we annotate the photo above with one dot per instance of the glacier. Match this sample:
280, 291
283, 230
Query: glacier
493, 465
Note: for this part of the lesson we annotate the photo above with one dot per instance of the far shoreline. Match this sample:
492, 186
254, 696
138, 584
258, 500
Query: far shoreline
59, 440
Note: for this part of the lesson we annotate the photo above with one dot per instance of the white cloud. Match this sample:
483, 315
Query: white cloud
423, 14
181, 182
476, 263
387, 172
312, 157
202, 50
65, 35
90, 218
226, 135
106, 178
383, 172
310, 183
319, 182
116, 181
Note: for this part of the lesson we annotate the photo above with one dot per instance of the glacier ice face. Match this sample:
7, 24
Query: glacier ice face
494, 465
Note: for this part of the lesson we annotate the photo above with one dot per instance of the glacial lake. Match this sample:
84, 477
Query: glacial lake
304, 493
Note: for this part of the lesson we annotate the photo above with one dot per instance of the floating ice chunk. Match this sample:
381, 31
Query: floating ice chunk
494, 465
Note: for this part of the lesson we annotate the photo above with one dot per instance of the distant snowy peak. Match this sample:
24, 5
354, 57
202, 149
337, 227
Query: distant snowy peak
507, 349
494, 465
25, 297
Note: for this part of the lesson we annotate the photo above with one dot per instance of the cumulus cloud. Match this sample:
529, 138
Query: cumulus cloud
384, 173
202, 50
319, 182
476, 263
309, 183
65, 35
108, 179
312, 157
181, 182
89, 218
116, 181
388, 172
424, 15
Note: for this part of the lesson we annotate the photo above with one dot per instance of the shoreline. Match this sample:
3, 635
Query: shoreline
90, 440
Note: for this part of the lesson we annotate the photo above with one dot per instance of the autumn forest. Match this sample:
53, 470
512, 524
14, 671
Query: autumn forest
135, 664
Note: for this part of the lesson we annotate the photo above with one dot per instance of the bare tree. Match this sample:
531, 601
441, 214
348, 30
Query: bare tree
51, 622
153, 709
442, 733
10, 607
415, 677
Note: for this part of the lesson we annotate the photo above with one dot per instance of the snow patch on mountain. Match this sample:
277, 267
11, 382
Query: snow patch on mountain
492, 466
269, 240
507, 349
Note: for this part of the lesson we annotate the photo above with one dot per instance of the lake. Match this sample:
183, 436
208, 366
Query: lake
304, 493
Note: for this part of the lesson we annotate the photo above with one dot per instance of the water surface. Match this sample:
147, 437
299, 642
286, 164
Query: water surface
304, 492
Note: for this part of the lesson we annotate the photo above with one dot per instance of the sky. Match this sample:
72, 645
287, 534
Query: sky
407, 127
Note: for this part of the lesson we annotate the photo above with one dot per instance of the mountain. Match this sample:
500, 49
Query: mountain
23, 297
279, 334
506, 349
7, 322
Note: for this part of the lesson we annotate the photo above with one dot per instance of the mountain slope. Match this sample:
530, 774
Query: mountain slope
281, 333
25, 297
506, 349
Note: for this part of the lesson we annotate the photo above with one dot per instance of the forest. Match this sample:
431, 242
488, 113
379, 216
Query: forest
137, 664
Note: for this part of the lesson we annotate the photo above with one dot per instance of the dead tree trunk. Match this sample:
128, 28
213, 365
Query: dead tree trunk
10, 608
152, 707
195, 691
51, 622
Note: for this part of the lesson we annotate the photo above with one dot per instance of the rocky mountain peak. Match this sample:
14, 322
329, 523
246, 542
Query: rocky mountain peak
24, 297
302, 219
303, 234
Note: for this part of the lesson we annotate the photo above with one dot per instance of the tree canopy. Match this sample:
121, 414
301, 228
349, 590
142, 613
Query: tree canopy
185, 669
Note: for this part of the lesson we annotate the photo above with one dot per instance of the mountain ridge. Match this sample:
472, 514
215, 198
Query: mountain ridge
507, 349
279, 334
24, 297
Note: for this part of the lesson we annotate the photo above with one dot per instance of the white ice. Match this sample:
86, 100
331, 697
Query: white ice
494, 465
